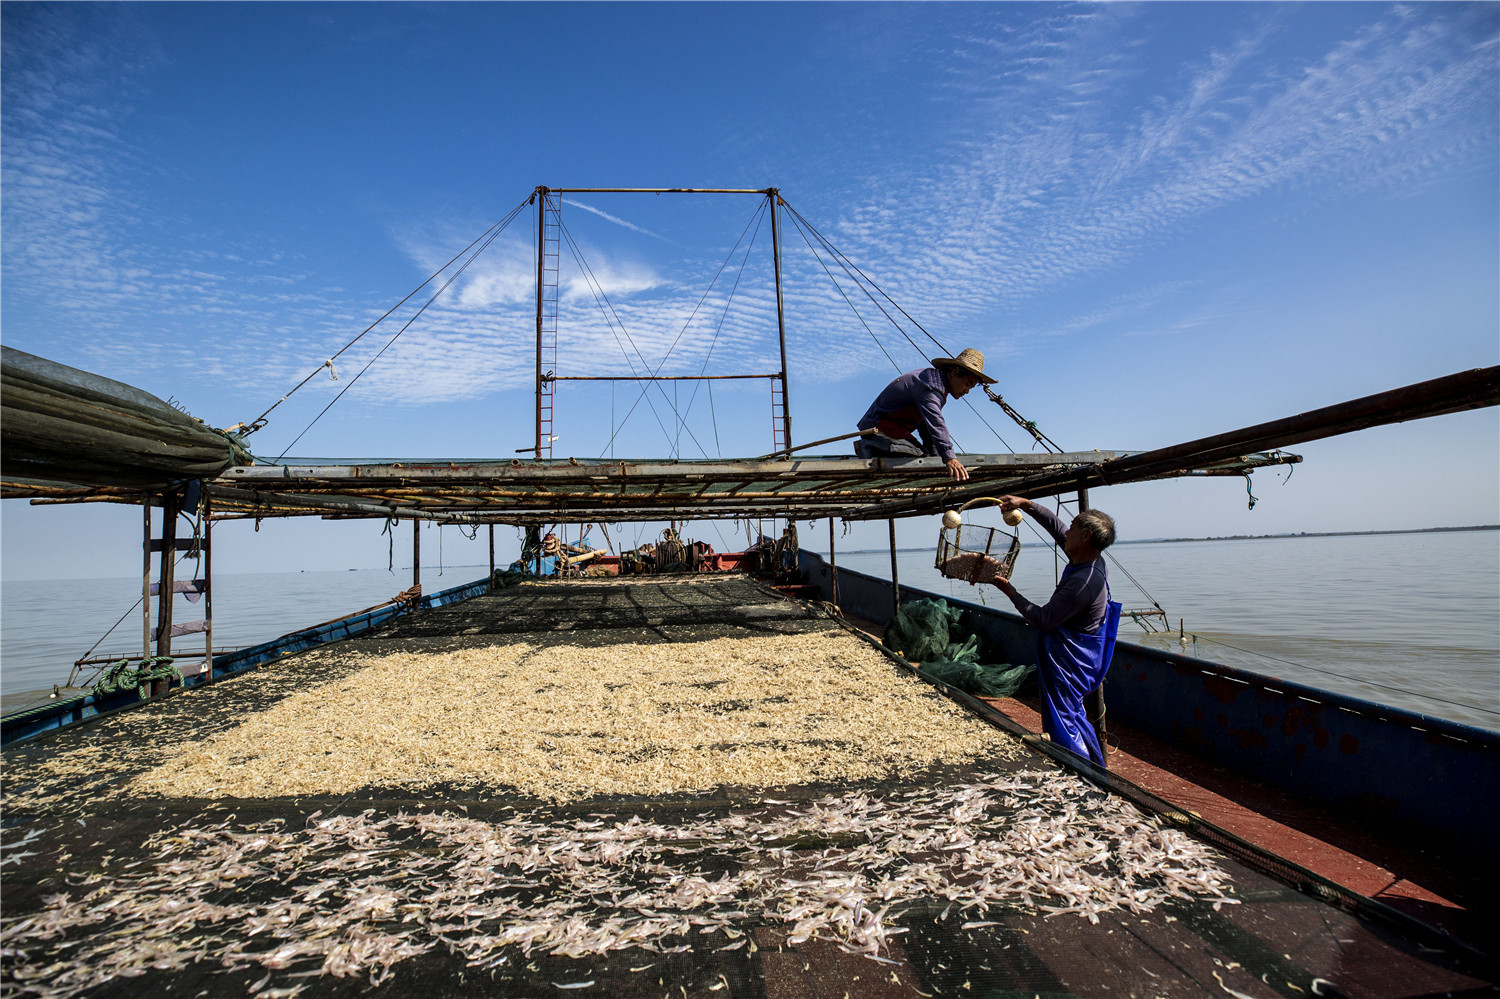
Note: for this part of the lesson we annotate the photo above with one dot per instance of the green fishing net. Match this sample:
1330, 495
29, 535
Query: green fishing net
987, 681
921, 632
927, 632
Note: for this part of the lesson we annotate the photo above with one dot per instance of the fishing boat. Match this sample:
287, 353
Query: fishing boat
697, 783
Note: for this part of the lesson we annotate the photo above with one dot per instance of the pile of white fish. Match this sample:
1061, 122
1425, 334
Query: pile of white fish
356, 894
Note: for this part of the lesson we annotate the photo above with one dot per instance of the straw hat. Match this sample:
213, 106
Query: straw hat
969, 360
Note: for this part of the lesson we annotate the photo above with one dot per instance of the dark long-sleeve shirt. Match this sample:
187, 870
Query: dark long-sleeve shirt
913, 402
1082, 596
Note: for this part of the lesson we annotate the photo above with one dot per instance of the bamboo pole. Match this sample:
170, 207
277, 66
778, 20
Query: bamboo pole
1477, 388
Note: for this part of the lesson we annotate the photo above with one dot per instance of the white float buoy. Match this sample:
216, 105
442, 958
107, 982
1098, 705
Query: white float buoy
952, 520
1013, 517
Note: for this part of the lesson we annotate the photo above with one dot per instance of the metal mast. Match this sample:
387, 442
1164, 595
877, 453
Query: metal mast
548, 259
774, 194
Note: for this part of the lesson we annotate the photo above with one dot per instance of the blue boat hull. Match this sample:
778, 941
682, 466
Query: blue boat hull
1430, 780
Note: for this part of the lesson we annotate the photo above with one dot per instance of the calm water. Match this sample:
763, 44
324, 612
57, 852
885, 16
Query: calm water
1411, 620
45, 625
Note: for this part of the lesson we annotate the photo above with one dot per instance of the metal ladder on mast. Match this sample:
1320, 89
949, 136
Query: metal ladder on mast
547, 302
779, 441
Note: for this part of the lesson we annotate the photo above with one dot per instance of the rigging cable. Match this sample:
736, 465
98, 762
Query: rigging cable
840, 289
484, 242
755, 219
259, 421
1030, 426
861, 279
719, 328
1351, 679
611, 318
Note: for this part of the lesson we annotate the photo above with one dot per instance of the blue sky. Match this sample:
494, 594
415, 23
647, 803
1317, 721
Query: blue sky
1157, 221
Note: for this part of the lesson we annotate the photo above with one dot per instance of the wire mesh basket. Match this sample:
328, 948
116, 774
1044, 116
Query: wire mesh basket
973, 553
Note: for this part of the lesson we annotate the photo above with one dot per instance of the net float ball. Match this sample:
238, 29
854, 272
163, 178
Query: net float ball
952, 520
1013, 517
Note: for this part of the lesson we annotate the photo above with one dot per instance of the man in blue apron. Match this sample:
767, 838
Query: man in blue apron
1078, 625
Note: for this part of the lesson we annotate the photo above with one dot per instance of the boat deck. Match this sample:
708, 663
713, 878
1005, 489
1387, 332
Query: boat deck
1355, 856
632, 787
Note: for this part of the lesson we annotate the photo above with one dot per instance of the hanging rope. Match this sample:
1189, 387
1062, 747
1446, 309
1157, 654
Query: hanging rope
390, 529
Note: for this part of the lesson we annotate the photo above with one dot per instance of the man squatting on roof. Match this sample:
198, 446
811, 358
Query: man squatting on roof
914, 402
1077, 626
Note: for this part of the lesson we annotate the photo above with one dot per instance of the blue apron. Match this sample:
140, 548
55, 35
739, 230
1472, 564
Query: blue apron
1071, 664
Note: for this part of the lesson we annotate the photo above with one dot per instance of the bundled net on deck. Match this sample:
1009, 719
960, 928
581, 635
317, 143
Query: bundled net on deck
973, 553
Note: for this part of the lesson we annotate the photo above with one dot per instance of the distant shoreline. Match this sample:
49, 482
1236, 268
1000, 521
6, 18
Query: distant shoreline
1312, 534
1238, 537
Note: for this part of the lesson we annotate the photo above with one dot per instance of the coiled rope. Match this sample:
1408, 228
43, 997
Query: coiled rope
119, 677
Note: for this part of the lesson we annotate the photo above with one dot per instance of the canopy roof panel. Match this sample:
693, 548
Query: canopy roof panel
567, 490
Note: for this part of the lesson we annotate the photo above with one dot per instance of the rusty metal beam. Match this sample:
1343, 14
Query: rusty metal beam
1465, 390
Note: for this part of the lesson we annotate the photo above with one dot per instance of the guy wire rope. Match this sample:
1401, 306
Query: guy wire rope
1343, 676
723, 314
862, 279
755, 220
259, 421
865, 284
494, 233
611, 318
1029, 426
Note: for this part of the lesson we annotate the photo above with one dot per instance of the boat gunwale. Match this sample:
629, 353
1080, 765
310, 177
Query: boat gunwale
1447, 727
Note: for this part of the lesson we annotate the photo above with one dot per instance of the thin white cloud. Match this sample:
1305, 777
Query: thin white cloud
1066, 161
615, 219
1068, 168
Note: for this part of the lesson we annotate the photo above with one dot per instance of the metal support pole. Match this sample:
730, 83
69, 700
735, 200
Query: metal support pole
541, 255
786, 399
492, 554
416, 554
146, 584
164, 575
1094, 702
895, 575
208, 588
833, 568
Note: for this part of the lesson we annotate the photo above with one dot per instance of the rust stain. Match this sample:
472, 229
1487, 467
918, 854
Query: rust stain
1247, 738
1222, 690
1301, 715
1348, 744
